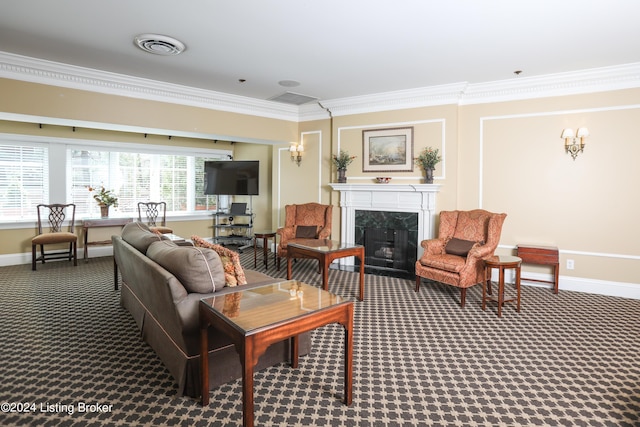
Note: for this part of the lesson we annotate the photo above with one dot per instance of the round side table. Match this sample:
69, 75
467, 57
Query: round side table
501, 262
265, 236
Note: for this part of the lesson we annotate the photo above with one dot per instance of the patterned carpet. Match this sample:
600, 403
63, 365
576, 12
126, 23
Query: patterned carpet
70, 355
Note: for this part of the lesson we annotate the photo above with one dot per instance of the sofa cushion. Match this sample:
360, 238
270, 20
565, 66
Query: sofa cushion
459, 247
233, 272
307, 231
139, 236
198, 269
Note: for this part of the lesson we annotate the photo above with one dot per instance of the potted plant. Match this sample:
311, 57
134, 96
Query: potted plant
427, 160
105, 198
341, 161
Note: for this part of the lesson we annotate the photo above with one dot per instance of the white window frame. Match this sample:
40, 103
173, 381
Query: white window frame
60, 176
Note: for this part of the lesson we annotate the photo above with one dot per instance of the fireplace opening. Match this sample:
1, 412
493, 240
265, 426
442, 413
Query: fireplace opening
385, 248
390, 242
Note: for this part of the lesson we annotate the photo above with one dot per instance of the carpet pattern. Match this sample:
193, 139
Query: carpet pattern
74, 356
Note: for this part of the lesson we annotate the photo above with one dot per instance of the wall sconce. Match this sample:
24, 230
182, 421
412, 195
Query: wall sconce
574, 142
296, 151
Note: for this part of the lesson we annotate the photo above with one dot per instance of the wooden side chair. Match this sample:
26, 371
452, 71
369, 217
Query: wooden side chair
55, 214
155, 214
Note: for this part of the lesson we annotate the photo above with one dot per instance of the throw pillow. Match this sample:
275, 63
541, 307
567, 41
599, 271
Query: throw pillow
233, 272
198, 269
306, 231
139, 236
459, 247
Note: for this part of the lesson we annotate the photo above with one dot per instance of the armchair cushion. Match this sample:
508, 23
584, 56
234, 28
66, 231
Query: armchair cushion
307, 231
447, 262
459, 247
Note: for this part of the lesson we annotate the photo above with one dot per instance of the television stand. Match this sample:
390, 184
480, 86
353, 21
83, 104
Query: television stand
233, 228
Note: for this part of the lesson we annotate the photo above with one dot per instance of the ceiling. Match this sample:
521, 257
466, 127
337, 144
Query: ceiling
334, 48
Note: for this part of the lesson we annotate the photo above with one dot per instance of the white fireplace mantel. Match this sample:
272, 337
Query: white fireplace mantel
416, 198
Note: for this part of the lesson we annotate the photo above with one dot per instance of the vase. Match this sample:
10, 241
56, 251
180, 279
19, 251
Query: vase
342, 175
428, 179
104, 211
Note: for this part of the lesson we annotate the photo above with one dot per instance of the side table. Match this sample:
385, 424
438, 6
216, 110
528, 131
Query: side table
265, 236
543, 255
88, 223
501, 262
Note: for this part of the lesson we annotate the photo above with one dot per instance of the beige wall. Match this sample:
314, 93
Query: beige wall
505, 156
586, 207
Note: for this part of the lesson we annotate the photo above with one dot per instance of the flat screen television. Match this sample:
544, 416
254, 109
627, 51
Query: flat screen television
233, 178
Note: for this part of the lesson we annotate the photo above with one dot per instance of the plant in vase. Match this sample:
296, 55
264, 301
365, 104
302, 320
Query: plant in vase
341, 161
105, 199
427, 160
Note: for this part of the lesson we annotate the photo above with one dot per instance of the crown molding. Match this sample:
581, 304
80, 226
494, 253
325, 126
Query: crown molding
626, 76
396, 100
34, 70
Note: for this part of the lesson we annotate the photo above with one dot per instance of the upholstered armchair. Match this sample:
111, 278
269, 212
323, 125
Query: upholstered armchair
456, 257
306, 221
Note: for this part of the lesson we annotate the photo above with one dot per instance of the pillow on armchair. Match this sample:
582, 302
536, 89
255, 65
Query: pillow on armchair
307, 231
459, 247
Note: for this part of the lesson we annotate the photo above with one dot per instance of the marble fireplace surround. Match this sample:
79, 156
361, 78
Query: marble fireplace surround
416, 198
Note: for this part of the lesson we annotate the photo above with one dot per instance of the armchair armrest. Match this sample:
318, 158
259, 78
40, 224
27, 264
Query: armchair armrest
481, 252
286, 233
324, 233
432, 246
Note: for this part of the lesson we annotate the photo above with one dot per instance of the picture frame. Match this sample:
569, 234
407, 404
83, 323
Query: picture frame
387, 150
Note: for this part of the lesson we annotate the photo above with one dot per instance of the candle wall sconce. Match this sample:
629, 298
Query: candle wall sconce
574, 141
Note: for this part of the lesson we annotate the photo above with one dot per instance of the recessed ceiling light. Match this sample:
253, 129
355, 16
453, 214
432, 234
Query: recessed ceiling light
159, 44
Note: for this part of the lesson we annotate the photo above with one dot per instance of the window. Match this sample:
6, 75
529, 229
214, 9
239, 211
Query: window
134, 177
24, 180
135, 172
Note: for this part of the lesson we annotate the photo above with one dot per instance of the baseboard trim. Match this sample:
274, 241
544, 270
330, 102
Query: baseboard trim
578, 284
25, 258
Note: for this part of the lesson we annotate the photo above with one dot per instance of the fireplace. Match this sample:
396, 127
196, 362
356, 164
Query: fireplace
389, 240
410, 207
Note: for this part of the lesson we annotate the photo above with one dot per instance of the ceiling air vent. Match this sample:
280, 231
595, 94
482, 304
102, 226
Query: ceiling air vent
293, 98
159, 45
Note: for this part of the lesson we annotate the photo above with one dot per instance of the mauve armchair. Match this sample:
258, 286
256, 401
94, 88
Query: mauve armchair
456, 257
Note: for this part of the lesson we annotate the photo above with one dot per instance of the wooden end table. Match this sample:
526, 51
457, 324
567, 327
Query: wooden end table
325, 251
256, 318
542, 255
88, 223
265, 236
501, 262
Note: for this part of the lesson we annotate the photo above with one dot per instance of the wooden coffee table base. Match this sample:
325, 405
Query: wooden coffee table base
252, 345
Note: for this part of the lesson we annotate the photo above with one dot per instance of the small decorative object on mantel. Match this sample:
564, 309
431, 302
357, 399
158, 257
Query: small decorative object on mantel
105, 198
383, 179
427, 160
341, 161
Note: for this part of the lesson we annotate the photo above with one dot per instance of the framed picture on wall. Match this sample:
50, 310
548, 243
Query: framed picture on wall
387, 150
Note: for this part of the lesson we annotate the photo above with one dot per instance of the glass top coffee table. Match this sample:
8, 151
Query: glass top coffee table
257, 317
325, 251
